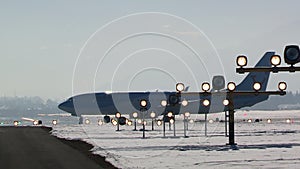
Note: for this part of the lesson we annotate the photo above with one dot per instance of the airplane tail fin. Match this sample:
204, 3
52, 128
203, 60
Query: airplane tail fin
262, 77
186, 88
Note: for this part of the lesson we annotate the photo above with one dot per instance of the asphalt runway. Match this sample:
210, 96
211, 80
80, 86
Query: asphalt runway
35, 147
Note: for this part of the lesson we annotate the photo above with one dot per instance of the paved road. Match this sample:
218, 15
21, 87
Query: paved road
35, 148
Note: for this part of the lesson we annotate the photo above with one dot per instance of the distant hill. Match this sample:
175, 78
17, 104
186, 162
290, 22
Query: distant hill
291, 101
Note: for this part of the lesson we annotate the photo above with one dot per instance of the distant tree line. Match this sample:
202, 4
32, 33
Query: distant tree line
28, 105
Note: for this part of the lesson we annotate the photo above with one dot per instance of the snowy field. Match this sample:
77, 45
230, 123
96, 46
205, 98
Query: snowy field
260, 144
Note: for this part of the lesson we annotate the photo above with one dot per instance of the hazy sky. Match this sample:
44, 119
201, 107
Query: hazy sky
42, 42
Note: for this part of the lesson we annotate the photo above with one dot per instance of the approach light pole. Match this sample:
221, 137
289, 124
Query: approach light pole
205, 87
118, 115
229, 101
185, 123
226, 103
135, 115
232, 93
179, 88
152, 115
291, 57
231, 87
173, 100
143, 108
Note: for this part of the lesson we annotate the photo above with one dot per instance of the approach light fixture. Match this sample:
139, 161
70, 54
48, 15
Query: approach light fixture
129, 123
275, 60
100, 122
86, 121
139, 121
159, 122
172, 121
114, 122
118, 115
164, 103
54, 122
205, 102
187, 114
170, 114
35, 122
143, 103
16, 123
291, 54
145, 122
153, 115
135, 115
241, 60
282, 86
205, 86
269, 121
256, 86
179, 87
184, 102
231, 86
226, 102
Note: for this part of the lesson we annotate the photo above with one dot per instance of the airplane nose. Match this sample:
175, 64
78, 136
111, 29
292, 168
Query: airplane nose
63, 106
68, 107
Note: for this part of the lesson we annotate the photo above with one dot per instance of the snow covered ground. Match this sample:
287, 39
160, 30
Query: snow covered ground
261, 144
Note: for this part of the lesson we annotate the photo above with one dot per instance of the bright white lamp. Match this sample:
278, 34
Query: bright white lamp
241, 60
275, 60
225, 102
282, 86
256, 86
179, 87
143, 103
231, 86
184, 103
205, 86
205, 102
152, 114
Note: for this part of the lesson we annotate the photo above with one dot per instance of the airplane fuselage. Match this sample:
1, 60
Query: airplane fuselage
127, 103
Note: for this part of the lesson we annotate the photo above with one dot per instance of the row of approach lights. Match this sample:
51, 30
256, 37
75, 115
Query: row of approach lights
159, 122
231, 86
269, 121
291, 57
35, 122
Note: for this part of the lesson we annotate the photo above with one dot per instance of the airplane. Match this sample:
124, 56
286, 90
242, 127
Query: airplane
161, 103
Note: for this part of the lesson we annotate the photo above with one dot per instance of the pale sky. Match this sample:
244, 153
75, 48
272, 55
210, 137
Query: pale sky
41, 41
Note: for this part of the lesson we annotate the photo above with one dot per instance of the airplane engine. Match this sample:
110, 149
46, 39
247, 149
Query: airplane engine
106, 119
